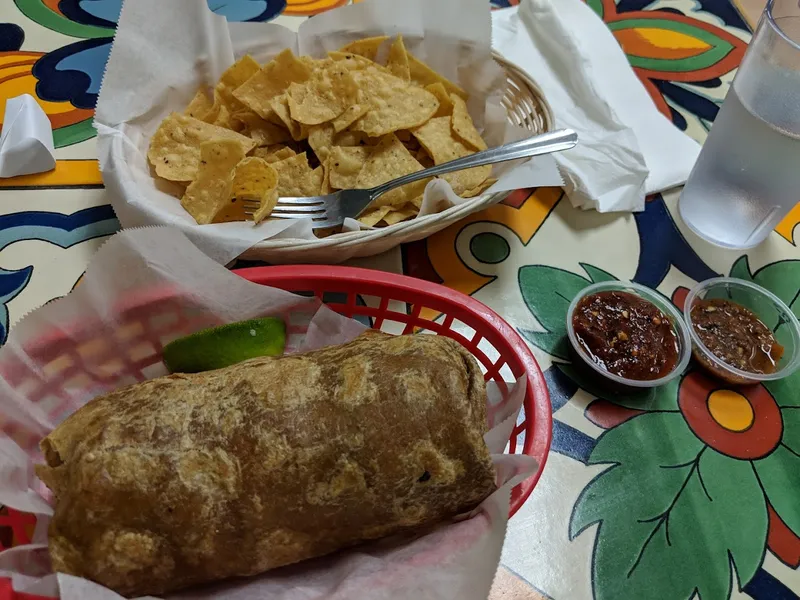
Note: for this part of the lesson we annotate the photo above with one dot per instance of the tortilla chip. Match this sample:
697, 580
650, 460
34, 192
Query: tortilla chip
345, 164
296, 178
210, 193
324, 232
464, 181
175, 147
242, 119
280, 107
445, 103
415, 191
273, 117
262, 131
397, 62
200, 105
422, 74
265, 154
351, 138
290, 147
351, 110
212, 114
367, 47
283, 153
268, 203
372, 217
438, 140
480, 189
252, 178
441, 144
232, 212
463, 126
320, 138
324, 96
223, 119
396, 215
273, 79
354, 62
386, 161
326, 188
234, 76
393, 103
315, 63
272, 154
351, 114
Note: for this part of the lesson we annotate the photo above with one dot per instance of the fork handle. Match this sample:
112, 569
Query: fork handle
563, 139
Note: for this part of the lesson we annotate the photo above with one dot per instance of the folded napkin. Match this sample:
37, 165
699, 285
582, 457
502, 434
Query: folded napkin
627, 148
26, 143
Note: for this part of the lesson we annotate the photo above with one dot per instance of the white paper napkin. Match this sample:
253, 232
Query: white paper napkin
26, 144
627, 148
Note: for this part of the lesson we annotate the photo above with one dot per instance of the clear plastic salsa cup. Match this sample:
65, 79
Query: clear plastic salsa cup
616, 382
767, 307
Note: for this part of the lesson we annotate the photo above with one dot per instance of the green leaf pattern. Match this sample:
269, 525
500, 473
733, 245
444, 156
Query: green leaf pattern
663, 398
667, 517
547, 292
780, 477
781, 279
597, 275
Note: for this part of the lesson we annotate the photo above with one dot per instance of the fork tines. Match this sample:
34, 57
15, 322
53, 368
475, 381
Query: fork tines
291, 208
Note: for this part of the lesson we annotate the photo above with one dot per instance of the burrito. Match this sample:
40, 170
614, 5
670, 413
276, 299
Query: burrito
188, 479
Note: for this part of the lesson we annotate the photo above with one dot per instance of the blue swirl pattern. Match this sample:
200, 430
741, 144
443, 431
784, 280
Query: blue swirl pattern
74, 72
58, 229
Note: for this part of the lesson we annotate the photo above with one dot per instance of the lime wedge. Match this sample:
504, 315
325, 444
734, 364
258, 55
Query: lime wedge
226, 345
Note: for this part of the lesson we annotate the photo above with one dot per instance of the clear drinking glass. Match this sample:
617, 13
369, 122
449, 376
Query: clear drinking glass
747, 177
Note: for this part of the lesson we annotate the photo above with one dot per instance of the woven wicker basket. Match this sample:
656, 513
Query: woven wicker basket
527, 108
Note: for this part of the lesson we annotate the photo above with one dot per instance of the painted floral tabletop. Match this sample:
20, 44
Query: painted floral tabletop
694, 490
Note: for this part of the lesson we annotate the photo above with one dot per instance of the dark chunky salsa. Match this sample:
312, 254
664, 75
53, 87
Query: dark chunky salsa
626, 335
735, 335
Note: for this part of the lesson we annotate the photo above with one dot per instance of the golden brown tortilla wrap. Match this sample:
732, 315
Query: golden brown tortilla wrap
188, 479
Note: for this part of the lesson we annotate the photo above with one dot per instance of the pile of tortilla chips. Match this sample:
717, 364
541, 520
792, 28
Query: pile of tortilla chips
300, 126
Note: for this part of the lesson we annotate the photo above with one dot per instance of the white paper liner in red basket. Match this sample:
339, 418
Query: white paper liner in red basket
146, 287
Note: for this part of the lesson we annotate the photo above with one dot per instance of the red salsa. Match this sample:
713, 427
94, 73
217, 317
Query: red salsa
735, 335
626, 335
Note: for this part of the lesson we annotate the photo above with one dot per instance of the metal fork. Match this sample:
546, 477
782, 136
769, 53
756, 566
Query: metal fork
331, 210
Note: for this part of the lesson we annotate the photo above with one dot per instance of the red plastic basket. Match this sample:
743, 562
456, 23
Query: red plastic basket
394, 303
500, 349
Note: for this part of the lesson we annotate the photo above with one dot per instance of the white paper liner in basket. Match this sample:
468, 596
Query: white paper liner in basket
456, 560
157, 65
